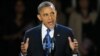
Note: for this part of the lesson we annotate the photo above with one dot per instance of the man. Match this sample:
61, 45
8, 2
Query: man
58, 42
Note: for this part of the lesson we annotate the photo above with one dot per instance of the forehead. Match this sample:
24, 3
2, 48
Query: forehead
47, 9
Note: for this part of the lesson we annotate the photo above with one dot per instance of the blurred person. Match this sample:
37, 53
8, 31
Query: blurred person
14, 29
16, 21
49, 38
19, 21
82, 21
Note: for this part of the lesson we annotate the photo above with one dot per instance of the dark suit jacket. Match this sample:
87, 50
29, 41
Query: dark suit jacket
61, 34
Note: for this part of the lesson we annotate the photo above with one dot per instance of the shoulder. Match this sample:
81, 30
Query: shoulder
34, 29
65, 31
64, 28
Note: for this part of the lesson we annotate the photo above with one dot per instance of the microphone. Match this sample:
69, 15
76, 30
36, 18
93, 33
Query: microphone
53, 43
53, 46
44, 46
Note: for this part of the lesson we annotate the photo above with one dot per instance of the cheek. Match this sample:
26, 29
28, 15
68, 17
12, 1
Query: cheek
55, 17
44, 20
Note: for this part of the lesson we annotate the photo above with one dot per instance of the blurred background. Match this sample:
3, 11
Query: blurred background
17, 16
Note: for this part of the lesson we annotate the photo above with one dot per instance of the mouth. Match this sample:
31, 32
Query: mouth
51, 22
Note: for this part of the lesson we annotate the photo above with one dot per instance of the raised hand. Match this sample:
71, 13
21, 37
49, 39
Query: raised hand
73, 44
24, 46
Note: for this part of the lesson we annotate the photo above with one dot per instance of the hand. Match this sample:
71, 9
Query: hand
24, 46
73, 44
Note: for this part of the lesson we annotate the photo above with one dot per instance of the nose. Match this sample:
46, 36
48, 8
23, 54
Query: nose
50, 17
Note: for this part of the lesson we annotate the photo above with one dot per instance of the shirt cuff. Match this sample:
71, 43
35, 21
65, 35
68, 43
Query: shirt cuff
74, 55
23, 54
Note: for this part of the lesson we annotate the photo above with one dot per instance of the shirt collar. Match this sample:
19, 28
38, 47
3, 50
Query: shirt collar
44, 28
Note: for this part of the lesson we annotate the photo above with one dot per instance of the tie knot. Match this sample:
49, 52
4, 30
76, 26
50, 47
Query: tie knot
48, 30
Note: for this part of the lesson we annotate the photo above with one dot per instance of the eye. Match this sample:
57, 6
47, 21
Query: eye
46, 14
52, 12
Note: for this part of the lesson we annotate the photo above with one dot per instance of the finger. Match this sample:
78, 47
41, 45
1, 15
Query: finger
75, 41
69, 38
27, 40
22, 43
22, 46
23, 50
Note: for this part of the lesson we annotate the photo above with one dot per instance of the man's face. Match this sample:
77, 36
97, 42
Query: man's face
48, 16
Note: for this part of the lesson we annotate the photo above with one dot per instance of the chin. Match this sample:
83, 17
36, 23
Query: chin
51, 27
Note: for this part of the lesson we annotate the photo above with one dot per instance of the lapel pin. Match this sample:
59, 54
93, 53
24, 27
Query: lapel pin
58, 34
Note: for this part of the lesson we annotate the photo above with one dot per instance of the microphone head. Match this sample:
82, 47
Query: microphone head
53, 43
44, 46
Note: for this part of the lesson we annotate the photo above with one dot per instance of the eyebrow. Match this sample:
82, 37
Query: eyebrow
52, 12
45, 14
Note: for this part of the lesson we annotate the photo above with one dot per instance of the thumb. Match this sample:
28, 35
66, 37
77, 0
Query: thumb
69, 38
27, 40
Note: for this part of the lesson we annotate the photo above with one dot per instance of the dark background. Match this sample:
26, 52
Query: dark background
11, 46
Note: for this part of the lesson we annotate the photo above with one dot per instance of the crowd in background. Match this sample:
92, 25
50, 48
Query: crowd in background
17, 16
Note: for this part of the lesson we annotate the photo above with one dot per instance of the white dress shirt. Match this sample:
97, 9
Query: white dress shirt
44, 32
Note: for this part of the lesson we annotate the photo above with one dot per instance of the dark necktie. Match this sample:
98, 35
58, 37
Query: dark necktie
47, 43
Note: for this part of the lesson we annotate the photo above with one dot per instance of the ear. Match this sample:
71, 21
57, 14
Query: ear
39, 17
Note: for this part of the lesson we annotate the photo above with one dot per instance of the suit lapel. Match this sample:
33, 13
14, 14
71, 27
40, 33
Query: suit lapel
39, 37
56, 37
56, 33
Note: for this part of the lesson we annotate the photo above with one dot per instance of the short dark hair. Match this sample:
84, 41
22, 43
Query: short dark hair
45, 4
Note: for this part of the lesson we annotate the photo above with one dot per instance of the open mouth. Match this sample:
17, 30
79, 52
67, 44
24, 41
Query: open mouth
51, 22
